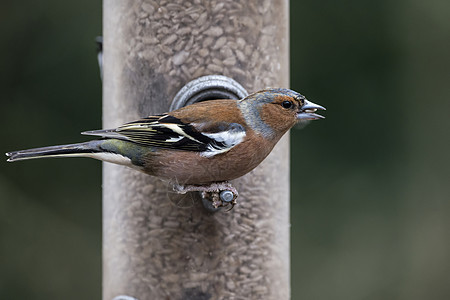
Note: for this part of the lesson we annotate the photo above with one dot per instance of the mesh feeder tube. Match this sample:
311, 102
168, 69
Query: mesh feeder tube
154, 247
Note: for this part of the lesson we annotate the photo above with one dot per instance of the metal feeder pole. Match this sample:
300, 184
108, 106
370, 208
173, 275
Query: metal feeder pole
156, 244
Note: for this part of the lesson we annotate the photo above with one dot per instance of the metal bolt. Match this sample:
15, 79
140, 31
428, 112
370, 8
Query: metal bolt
226, 196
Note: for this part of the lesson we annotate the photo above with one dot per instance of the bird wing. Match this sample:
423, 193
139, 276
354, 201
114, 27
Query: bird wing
169, 132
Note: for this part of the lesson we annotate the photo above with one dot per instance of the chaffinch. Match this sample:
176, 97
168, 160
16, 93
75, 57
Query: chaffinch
199, 146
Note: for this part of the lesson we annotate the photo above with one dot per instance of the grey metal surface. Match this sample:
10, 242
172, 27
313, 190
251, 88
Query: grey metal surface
208, 87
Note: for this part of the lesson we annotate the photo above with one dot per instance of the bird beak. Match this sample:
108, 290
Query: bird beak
307, 111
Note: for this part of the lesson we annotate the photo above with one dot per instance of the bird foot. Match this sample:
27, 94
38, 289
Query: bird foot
218, 194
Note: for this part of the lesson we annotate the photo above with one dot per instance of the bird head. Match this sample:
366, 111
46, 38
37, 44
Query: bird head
279, 110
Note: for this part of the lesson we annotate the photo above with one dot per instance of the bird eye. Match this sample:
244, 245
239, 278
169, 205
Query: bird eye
286, 104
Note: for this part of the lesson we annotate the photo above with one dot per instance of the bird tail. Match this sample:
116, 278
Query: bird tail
87, 149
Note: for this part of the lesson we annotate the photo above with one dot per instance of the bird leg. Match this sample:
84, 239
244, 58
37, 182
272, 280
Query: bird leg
220, 194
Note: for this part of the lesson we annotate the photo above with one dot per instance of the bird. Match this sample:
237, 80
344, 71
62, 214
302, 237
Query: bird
199, 147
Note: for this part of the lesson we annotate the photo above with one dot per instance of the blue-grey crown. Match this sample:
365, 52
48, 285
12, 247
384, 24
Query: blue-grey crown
268, 94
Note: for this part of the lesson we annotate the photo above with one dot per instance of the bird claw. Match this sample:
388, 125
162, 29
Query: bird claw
220, 194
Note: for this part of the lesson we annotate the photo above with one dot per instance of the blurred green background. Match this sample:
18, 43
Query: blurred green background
370, 184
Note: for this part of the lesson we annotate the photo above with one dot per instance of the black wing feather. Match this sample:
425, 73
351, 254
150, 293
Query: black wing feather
165, 131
